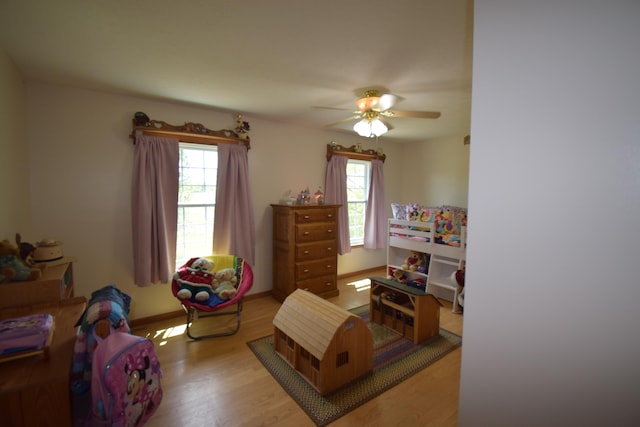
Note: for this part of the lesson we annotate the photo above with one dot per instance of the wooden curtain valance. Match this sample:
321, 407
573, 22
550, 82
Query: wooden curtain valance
189, 132
354, 152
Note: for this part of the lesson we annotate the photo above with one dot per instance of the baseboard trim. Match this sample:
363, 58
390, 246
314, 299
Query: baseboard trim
361, 272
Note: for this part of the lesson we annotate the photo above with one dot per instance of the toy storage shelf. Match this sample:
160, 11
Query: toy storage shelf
56, 284
442, 261
409, 311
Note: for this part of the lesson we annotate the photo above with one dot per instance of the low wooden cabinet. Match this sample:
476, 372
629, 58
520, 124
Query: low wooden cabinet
305, 256
409, 311
56, 284
34, 391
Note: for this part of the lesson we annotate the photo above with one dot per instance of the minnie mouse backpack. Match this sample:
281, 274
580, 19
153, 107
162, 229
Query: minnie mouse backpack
125, 381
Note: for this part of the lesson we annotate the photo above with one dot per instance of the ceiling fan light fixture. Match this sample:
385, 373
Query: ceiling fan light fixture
370, 128
368, 103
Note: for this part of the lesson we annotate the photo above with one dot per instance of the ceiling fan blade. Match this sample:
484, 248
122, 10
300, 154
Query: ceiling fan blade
387, 101
414, 114
348, 119
337, 109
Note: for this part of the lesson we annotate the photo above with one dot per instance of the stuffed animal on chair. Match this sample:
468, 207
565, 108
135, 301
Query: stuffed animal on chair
225, 283
11, 265
196, 279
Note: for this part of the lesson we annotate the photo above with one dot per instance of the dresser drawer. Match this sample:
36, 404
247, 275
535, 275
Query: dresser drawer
315, 215
311, 251
315, 232
321, 267
318, 285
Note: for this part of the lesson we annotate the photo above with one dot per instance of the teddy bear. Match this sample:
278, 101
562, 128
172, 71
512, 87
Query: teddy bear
414, 261
397, 275
226, 282
196, 279
11, 265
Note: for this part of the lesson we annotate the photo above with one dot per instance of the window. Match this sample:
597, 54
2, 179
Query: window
358, 181
198, 171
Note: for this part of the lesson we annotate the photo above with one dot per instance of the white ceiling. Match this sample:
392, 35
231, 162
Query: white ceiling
274, 59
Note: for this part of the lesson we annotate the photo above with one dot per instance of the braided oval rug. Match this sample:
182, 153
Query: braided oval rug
395, 359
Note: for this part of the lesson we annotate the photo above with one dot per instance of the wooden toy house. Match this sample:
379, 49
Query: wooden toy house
327, 345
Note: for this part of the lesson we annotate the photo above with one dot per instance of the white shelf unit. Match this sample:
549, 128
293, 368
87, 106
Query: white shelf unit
442, 260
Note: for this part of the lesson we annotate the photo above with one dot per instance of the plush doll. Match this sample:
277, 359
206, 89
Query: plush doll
196, 279
397, 275
413, 261
226, 282
11, 265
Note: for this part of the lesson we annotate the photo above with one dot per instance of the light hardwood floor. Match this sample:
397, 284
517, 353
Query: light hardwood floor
219, 381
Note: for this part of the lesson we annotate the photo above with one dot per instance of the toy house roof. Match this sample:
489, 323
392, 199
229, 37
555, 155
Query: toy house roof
311, 321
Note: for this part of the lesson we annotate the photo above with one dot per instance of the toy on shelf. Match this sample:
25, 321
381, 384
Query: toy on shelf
416, 261
397, 275
12, 267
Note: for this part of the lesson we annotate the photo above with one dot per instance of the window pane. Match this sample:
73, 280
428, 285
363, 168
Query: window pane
196, 201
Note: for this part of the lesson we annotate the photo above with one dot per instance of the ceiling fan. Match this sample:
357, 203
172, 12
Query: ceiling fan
373, 108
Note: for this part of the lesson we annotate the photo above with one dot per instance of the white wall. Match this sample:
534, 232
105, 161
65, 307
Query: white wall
445, 161
551, 317
15, 207
81, 160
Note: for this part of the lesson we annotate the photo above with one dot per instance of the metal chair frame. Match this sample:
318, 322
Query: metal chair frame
231, 307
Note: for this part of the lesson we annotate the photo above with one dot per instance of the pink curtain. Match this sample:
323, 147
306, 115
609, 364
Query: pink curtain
234, 226
336, 194
375, 220
154, 209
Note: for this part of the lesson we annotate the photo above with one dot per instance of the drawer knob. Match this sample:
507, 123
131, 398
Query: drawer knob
306, 217
329, 265
329, 231
306, 233
330, 216
306, 252
328, 284
306, 270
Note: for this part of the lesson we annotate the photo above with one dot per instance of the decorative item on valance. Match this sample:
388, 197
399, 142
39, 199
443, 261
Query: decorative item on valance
190, 132
354, 152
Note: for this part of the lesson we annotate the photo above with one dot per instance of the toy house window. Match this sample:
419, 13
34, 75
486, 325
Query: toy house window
342, 359
315, 363
304, 354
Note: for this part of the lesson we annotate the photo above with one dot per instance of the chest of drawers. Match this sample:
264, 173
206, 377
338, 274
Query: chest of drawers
305, 249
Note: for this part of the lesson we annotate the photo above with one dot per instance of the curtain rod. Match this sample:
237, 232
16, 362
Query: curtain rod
189, 132
354, 152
